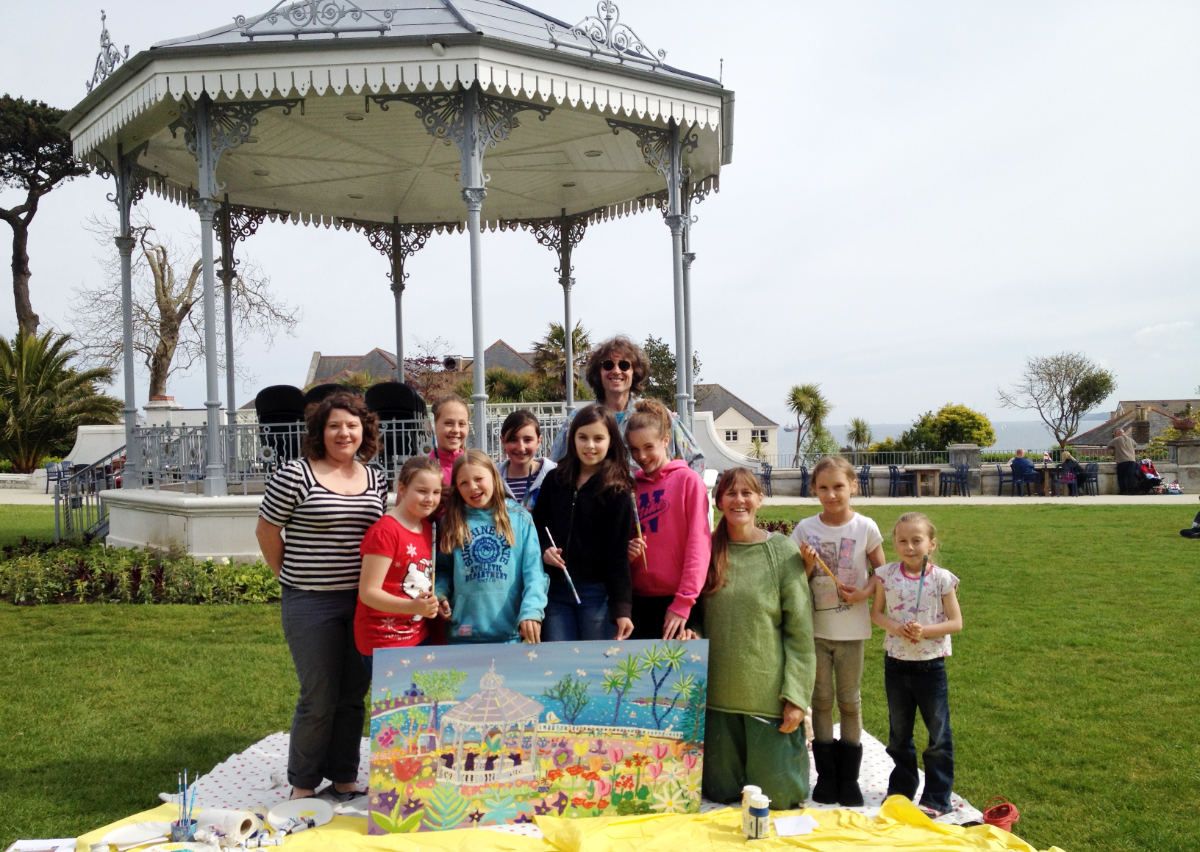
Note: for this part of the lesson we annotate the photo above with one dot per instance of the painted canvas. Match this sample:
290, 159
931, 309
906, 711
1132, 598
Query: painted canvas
473, 735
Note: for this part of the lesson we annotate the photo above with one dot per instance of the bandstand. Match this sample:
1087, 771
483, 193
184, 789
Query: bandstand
401, 122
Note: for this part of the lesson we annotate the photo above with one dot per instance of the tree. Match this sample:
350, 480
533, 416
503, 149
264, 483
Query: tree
953, 424
571, 693
168, 333
859, 434
439, 685
810, 407
1061, 389
550, 359
35, 156
503, 385
44, 400
660, 383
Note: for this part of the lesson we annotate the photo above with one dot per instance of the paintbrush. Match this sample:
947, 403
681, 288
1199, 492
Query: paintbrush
836, 584
637, 520
566, 573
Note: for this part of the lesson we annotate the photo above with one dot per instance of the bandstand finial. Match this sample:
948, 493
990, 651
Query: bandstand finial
109, 57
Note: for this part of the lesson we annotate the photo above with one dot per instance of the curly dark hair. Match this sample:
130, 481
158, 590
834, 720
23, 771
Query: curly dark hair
614, 348
313, 445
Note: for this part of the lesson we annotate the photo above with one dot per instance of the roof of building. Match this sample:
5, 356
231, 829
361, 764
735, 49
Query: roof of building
500, 354
1100, 436
717, 399
377, 363
1172, 405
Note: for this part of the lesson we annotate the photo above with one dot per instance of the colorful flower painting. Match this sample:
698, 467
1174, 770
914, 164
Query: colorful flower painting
493, 734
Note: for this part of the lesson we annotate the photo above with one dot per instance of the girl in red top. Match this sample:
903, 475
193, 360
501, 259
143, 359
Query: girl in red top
395, 588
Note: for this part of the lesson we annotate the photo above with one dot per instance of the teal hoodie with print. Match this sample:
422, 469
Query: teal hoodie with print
493, 586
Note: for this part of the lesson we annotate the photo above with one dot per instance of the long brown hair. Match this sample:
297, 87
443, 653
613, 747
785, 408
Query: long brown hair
455, 532
718, 563
614, 469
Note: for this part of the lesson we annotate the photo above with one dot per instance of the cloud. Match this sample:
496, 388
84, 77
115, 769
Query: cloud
1156, 334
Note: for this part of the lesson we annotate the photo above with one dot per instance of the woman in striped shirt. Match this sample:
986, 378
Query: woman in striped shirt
324, 502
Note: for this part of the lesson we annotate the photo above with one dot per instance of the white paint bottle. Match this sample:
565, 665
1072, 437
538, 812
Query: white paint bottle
759, 825
748, 791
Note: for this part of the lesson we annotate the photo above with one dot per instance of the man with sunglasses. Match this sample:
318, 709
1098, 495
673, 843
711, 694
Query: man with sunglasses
616, 371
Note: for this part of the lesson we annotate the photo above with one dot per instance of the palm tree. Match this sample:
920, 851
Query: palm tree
810, 408
859, 434
43, 400
549, 356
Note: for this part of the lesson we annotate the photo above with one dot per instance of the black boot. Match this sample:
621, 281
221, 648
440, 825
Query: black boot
825, 757
849, 758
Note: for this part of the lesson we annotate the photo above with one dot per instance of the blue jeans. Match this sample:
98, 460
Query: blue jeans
567, 621
328, 723
912, 686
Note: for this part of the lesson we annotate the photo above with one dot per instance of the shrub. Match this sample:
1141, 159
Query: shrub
33, 573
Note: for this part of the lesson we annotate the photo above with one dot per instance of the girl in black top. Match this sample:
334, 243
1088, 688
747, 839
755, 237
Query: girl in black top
584, 518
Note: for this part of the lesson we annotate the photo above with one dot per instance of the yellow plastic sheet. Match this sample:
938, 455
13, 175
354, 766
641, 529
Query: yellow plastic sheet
900, 825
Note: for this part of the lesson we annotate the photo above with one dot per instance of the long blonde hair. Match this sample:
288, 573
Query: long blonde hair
456, 533
718, 563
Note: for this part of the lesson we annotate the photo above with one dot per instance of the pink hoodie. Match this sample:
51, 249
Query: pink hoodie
673, 509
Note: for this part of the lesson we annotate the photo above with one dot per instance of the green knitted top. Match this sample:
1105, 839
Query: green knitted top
759, 627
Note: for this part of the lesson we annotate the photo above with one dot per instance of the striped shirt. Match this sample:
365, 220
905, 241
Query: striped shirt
322, 529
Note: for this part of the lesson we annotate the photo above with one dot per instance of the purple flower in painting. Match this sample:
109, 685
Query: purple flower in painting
561, 802
524, 818
541, 809
386, 801
475, 816
412, 806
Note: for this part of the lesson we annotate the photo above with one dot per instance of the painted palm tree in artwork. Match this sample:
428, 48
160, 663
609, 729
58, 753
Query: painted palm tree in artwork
810, 407
549, 355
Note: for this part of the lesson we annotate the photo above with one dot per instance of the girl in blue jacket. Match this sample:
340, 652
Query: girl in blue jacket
490, 581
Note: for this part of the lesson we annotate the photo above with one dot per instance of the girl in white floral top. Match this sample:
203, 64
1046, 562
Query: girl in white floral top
917, 604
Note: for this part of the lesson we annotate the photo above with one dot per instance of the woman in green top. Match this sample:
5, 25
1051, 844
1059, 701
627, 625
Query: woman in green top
758, 620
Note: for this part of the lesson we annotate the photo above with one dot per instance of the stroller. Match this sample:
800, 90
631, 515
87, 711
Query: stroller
1147, 478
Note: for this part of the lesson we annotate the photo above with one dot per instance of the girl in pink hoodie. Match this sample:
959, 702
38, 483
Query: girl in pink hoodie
668, 557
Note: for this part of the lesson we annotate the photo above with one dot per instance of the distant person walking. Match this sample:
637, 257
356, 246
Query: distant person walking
1125, 455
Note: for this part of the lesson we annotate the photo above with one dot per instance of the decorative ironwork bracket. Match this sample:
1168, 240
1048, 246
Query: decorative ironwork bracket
240, 222
130, 176
314, 16
608, 36
228, 124
655, 143
561, 236
388, 239
109, 58
447, 116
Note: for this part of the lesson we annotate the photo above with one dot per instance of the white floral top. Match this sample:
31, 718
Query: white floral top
901, 605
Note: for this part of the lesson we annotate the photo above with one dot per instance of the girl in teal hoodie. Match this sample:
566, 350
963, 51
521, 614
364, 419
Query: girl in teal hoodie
490, 581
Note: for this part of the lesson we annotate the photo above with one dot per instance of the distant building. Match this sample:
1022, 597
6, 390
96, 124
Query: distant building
737, 423
1174, 406
380, 365
1157, 421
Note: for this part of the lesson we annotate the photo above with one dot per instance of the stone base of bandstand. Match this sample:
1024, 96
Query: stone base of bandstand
202, 526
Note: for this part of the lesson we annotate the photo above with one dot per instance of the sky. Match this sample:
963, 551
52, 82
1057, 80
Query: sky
923, 195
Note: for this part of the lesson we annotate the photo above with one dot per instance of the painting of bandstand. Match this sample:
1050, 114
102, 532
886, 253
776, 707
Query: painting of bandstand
493, 734
504, 727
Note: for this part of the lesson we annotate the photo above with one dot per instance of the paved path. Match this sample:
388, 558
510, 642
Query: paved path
1185, 500
29, 497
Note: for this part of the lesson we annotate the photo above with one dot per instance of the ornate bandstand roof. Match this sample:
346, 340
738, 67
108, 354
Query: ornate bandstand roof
493, 705
318, 97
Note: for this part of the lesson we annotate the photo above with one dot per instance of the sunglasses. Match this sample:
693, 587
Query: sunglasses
610, 363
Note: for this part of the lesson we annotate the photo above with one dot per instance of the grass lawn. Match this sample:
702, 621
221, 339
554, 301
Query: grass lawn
32, 522
1072, 687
